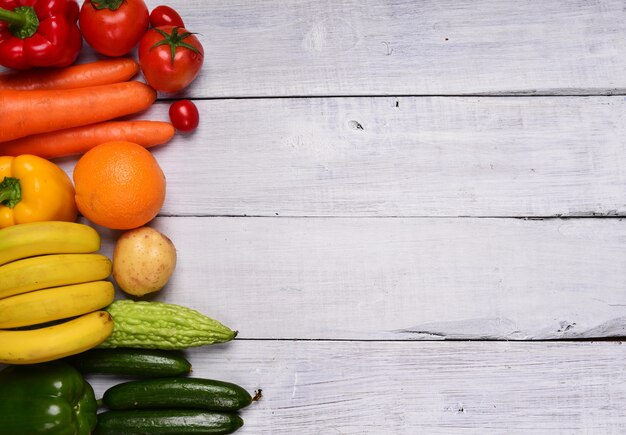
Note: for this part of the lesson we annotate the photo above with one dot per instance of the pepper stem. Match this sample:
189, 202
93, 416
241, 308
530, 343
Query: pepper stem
10, 192
23, 21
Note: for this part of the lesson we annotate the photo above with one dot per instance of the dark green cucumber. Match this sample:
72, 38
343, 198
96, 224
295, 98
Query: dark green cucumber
167, 393
132, 362
167, 422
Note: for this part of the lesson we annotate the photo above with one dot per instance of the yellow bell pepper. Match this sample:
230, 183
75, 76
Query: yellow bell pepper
34, 189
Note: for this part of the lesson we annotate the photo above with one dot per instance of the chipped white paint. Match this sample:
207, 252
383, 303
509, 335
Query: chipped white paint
408, 388
330, 34
398, 279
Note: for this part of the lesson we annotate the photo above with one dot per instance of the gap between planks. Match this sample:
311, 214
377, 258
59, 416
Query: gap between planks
615, 339
570, 93
278, 216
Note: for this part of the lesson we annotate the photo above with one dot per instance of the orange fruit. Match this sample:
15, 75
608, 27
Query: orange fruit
119, 185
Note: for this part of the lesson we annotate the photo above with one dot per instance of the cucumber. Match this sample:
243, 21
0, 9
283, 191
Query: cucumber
158, 325
132, 362
166, 422
168, 393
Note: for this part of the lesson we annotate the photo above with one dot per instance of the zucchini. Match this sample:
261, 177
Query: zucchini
131, 362
158, 325
166, 422
168, 393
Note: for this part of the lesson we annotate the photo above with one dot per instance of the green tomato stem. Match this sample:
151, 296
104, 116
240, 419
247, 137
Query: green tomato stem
106, 4
174, 40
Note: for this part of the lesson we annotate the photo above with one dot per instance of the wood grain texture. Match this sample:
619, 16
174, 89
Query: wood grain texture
403, 47
399, 279
399, 157
421, 388
358, 266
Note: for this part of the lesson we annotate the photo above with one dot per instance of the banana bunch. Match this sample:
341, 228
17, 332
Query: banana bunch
49, 272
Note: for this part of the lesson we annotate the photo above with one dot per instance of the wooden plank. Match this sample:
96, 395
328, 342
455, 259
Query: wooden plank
403, 47
399, 279
399, 157
412, 388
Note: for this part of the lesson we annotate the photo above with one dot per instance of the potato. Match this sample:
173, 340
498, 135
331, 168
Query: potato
143, 261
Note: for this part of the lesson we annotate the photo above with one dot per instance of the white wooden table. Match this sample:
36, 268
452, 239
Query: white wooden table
400, 205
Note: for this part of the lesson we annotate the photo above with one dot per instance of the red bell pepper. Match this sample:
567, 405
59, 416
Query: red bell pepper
39, 33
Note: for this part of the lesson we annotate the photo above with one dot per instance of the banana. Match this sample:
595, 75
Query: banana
54, 342
56, 303
50, 237
46, 271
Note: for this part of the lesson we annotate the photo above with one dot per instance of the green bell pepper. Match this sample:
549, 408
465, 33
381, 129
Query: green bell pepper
46, 399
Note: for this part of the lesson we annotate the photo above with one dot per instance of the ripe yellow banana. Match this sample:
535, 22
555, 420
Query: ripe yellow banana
54, 342
50, 237
56, 303
46, 271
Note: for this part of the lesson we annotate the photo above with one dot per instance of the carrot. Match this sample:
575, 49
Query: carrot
101, 72
24, 113
79, 140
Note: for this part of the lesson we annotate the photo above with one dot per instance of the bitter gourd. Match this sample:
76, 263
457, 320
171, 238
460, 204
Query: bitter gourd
158, 325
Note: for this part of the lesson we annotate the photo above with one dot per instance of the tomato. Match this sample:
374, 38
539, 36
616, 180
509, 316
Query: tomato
184, 115
113, 27
170, 58
165, 16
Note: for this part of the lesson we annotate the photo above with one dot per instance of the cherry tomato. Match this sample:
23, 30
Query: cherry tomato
184, 115
170, 58
113, 27
165, 16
